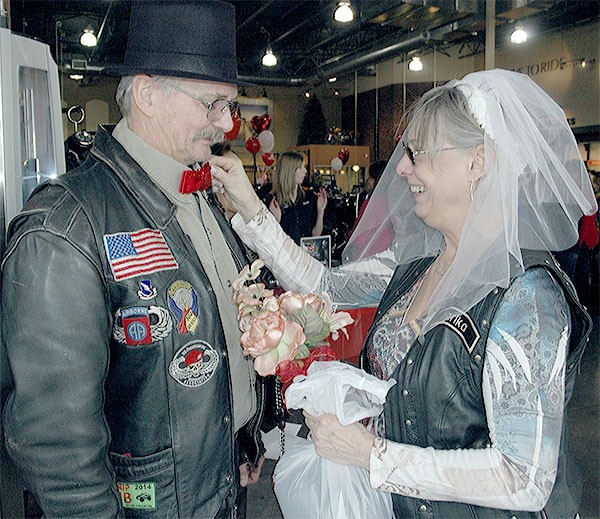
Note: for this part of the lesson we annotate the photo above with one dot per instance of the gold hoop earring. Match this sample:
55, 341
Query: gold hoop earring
471, 189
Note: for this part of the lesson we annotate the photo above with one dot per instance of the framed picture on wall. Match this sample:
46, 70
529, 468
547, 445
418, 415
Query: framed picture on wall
250, 107
318, 247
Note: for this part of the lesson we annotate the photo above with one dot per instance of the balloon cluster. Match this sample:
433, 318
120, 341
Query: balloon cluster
338, 162
262, 139
337, 135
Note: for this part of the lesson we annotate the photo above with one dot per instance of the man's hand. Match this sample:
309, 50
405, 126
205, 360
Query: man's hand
344, 444
249, 474
238, 194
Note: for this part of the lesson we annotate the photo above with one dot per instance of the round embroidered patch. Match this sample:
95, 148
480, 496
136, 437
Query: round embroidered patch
183, 302
194, 364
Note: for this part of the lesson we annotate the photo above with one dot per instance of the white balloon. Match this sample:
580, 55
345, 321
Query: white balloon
267, 140
336, 164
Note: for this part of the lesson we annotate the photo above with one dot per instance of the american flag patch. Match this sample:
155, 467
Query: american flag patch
132, 254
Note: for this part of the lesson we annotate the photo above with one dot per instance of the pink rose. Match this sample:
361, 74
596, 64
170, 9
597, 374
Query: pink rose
315, 301
290, 302
264, 334
291, 340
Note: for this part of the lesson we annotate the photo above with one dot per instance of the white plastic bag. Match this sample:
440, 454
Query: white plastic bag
307, 485
340, 389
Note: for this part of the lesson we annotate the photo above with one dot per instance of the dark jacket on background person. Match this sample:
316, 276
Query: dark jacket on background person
445, 371
145, 391
299, 219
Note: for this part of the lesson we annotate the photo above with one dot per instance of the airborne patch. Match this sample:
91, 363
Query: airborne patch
194, 364
137, 325
465, 328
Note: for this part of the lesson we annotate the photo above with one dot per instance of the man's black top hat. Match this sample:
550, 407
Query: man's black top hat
181, 38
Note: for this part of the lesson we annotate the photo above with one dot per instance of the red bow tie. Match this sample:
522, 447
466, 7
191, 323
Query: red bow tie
195, 180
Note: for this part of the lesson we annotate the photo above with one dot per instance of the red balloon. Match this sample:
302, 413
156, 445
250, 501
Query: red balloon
268, 159
253, 145
260, 123
344, 155
237, 124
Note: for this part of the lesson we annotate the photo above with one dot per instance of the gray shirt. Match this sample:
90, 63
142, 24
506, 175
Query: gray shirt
199, 224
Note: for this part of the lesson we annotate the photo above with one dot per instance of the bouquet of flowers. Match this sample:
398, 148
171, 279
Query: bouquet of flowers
284, 333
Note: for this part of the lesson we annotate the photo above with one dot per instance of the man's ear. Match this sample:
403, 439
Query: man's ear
477, 162
143, 90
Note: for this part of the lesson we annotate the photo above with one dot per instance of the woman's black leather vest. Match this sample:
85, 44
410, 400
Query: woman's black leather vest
438, 400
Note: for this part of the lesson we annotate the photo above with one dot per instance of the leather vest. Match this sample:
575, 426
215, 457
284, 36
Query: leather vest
165, 420
438, 401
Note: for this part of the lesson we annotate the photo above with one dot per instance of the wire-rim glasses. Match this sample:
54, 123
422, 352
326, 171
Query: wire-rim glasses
214, 109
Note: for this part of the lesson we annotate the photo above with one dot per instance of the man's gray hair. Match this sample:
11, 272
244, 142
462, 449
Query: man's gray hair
123, 96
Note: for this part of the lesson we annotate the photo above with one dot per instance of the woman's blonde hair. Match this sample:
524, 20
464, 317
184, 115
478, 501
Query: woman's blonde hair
284, 181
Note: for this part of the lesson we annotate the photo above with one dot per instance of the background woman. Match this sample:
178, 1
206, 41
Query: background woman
300, 214
476, 322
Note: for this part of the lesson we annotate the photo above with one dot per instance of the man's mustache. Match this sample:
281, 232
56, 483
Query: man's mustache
214, 135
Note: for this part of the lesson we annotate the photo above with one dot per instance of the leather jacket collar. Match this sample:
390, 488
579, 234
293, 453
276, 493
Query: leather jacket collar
134, 178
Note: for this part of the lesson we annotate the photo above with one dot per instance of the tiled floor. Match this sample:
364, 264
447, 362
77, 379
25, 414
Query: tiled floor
585, 425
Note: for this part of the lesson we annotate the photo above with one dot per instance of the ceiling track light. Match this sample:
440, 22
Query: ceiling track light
415, 64
518, 36
269, 59
88, 38
343, 12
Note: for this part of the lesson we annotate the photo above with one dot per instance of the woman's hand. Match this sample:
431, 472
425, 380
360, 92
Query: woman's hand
275, 208
345, 444
238, 194
321, 200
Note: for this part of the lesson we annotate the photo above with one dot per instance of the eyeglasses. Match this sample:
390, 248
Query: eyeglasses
215, 109
412, 154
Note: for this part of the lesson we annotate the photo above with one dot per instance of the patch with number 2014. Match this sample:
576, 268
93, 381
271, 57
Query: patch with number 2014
140, 496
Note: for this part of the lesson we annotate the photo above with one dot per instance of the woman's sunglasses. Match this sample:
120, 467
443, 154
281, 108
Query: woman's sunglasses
412, 154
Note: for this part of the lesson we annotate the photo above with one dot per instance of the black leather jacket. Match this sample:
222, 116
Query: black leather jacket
122, 387
444, 372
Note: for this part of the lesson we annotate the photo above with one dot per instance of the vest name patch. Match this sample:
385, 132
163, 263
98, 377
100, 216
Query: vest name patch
465, 328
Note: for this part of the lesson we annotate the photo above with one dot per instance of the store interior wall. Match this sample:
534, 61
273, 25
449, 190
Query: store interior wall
552, 60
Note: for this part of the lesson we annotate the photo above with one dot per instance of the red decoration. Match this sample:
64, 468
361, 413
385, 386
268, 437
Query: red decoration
588, 232
237, 124
260, 123
288, 369
253, 145
195, 180
344, 155
268, 159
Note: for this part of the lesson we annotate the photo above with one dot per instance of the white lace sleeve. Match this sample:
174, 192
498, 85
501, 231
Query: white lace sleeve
523, 390
357, 284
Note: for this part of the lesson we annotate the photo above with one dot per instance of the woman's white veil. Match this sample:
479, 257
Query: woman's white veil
534, 191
